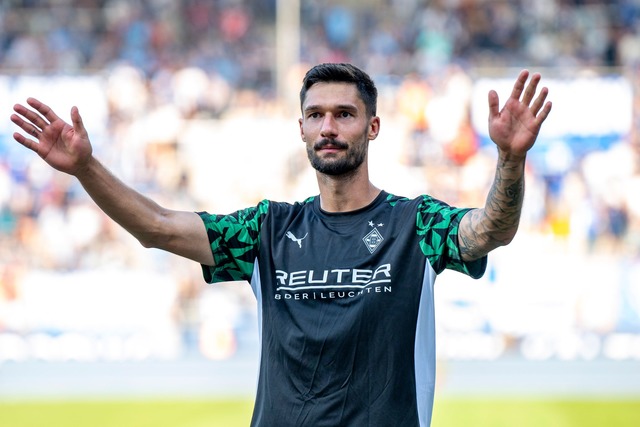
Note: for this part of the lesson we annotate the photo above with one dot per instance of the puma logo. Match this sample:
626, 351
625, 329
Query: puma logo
295, 239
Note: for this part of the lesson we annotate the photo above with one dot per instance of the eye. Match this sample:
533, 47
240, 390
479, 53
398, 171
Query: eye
313, 115
345, 114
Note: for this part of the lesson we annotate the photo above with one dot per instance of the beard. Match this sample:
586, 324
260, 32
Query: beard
337, 166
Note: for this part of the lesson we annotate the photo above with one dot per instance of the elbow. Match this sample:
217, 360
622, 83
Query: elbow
501, 232
480, 233
503, 239
507, 239
154, 235
494, 240
149, 240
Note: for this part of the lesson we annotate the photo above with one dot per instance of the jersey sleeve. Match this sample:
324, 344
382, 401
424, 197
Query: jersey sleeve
437, 225
234, 241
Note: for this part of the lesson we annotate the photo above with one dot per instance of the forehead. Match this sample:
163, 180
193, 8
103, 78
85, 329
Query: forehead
328, 94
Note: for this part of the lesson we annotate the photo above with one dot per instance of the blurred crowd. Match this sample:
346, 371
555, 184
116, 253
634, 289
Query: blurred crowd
234, 39
168, 64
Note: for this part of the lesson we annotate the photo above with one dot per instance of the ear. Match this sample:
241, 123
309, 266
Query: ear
302, 131
374, 128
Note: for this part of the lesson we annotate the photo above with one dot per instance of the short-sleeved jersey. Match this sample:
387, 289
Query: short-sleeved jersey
345, 305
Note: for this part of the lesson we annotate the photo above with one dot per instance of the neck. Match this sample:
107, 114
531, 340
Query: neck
345, 194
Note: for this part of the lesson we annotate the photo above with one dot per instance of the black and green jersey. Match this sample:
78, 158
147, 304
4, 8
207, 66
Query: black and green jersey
345, 304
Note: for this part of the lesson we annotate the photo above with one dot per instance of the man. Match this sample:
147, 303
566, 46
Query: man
344, 280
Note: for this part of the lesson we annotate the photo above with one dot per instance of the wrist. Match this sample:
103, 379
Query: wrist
86, 168
510, 157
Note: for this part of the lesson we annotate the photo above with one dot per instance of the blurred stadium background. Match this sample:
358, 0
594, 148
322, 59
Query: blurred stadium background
194, 103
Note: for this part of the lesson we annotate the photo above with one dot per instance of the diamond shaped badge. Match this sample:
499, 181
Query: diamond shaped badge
373, 240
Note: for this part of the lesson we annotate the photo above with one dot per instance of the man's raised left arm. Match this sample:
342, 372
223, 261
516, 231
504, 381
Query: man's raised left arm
514, 130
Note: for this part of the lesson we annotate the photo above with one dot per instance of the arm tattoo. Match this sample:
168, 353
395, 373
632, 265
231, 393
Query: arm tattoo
483, 230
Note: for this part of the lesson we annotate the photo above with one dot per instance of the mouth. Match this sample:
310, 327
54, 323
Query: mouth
330, 145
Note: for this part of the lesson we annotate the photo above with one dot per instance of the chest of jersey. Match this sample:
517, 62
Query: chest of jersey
329, 258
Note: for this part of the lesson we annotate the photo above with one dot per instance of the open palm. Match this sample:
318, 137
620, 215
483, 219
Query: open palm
515, 128
63, 146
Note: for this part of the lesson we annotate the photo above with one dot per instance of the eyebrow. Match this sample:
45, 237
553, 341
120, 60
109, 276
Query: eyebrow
342, 107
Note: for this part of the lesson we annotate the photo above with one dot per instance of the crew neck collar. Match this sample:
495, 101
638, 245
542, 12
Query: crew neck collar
379, 198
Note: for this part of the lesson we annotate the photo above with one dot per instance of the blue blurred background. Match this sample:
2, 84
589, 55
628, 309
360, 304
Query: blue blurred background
194, 103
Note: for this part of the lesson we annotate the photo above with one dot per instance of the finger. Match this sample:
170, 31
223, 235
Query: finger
35, 132
43, 109
76, 120
530, 91
29, 143
544, 113
26, 126
518, 87
33, 117
494, 104
539, 102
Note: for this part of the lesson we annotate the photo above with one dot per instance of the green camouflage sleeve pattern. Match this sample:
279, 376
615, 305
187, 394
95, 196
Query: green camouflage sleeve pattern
437, 225
234, 240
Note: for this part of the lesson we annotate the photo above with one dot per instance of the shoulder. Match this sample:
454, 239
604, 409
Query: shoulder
261, 209
427, 210
422, 203
430, 206
290, 205
277, 209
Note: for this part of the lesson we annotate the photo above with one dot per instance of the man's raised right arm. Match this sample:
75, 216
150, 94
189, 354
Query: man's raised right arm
67, 148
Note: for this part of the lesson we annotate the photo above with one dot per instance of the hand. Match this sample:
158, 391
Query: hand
515, 129
64, 147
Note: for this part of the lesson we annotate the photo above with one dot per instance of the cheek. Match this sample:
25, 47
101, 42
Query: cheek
308, 132
304, 129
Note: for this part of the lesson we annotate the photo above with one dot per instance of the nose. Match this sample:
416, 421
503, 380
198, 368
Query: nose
329, 128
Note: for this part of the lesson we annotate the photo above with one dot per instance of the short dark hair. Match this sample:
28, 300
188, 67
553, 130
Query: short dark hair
343, 73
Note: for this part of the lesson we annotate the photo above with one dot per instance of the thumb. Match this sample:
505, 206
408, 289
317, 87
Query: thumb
494, 104
76, 120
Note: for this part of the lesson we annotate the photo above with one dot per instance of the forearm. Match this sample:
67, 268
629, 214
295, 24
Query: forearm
483, 230
137, 214
68, 149
178, 232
